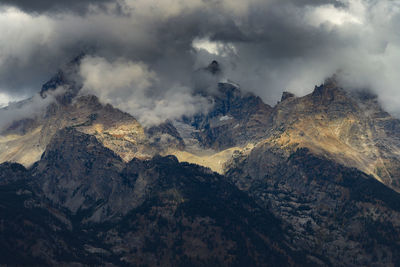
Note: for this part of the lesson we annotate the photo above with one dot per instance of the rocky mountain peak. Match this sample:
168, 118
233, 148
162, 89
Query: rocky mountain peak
286, 95
76, 170
71, 149
214, 68
66, 78
332, 98
329, 90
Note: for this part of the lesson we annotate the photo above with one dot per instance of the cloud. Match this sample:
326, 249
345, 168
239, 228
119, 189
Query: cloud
41, 6
117, 80
4, 100
265, 46
131, 87
27, 109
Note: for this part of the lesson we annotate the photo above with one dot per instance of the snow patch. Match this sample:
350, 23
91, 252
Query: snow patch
225, 118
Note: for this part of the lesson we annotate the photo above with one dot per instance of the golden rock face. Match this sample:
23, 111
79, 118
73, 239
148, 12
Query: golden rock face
116, 130
127, 140
24, 149
214, 160
342, 127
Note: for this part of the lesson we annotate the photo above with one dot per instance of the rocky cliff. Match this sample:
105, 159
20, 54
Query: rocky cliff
81, 204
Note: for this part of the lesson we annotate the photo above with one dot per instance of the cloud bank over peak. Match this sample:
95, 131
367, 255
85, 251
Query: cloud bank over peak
148, 49
133, 88
29, 108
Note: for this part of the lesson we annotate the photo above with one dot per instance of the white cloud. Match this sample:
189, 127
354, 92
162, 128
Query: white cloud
213, 47
21, 32
129, 86
206, 44
4, 99
30, 108
332, 15
116, 80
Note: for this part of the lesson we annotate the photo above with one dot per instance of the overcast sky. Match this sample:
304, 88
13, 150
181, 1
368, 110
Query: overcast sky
141, 53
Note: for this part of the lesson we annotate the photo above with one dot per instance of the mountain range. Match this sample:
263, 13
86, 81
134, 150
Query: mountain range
311, 181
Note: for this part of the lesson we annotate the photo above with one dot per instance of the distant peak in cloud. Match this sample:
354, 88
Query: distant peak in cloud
214, 68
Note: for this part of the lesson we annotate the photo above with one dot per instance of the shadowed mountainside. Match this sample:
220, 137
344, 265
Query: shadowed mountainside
100, 210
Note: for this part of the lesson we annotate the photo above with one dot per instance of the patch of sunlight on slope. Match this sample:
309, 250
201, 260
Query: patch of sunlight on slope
330, 139
215, 161
127, 139
23, 149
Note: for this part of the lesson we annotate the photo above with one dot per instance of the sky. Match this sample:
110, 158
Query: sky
141, 54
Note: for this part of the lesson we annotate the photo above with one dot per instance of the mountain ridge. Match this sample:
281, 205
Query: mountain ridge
98, 209
348, 127
313, 180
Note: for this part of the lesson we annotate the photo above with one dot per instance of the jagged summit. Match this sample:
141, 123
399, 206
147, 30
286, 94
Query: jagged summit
66, 78
236, 118
286, 95
329, 121
214, 68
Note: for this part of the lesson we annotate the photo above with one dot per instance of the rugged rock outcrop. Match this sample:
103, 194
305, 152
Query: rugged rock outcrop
342, 216
236, 119
347, 127
25, 140
81, 204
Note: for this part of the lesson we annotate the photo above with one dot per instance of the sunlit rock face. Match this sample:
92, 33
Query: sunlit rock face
25, 140
86, 114
347, 127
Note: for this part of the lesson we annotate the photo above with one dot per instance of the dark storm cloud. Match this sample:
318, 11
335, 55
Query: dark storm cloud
40, 6
160, 35
266, 46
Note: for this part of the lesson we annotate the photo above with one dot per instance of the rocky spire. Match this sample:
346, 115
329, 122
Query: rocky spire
67, 77
214, 67
286, 95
